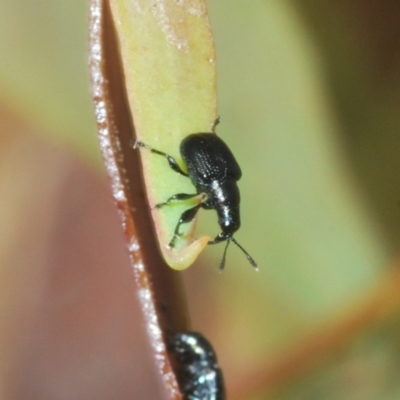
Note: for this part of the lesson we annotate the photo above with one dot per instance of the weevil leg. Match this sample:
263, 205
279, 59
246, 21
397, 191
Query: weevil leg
220, 238
180, 197
216, 122
186, 217
171, 160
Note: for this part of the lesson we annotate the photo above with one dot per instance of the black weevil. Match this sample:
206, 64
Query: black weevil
196, 366
214, 171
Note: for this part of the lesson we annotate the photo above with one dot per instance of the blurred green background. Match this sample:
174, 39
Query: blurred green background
309, 102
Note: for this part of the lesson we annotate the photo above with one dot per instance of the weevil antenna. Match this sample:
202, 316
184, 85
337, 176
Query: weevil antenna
222, 265
249, 257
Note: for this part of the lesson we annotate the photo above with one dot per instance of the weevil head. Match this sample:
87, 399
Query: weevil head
228, 220
226, 201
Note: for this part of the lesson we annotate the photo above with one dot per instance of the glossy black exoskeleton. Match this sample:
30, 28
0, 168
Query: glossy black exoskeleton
214, 172
196, 367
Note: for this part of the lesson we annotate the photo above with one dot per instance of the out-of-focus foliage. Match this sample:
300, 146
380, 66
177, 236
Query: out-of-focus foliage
43, 71
309, 104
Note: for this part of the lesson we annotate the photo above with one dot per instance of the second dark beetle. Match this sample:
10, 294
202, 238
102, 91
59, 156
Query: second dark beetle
196, 367
214, 171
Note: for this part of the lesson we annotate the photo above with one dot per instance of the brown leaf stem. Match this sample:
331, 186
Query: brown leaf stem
158, 287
